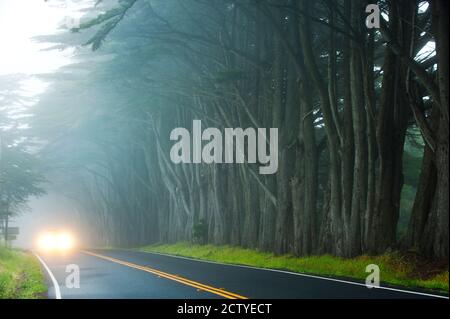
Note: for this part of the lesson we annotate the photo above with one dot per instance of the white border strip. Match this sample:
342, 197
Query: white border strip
299, 274
55, 283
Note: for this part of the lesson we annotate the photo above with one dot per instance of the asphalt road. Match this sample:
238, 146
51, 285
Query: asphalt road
111, 274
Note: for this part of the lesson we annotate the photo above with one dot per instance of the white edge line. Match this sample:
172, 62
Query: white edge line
299, 274
55, 283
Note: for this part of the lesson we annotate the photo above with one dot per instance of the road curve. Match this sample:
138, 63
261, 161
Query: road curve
112, 274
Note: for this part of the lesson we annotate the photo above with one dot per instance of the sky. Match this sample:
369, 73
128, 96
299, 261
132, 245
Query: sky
20, 21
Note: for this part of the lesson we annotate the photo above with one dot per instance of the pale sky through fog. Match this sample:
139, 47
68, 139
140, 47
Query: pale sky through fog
19, 21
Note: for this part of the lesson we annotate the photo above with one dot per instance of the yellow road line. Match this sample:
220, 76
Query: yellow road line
185, 281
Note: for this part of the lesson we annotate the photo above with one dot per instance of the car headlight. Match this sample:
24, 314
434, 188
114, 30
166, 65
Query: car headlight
56, 241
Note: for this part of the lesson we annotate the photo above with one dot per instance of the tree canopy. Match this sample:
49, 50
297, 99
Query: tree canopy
362, 116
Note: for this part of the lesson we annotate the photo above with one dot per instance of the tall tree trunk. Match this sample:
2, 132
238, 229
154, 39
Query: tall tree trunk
359, 127
440, 244
331, 133
391, 129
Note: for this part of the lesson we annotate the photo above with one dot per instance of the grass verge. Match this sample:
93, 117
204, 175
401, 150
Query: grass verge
20, 276
395, 269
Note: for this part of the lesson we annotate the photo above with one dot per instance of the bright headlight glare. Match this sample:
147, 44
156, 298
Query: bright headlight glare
47, 241
55, 241
64, 241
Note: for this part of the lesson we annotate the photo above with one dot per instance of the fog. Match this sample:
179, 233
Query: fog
52, 211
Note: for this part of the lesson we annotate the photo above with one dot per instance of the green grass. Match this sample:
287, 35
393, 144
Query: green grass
20, 276
394, 268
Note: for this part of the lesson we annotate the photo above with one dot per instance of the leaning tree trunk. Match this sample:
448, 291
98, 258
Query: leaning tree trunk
428, 227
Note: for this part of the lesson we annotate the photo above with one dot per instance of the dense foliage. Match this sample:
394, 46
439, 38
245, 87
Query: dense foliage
344, 98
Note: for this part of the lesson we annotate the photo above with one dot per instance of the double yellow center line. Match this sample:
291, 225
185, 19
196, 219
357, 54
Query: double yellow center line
181, 280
